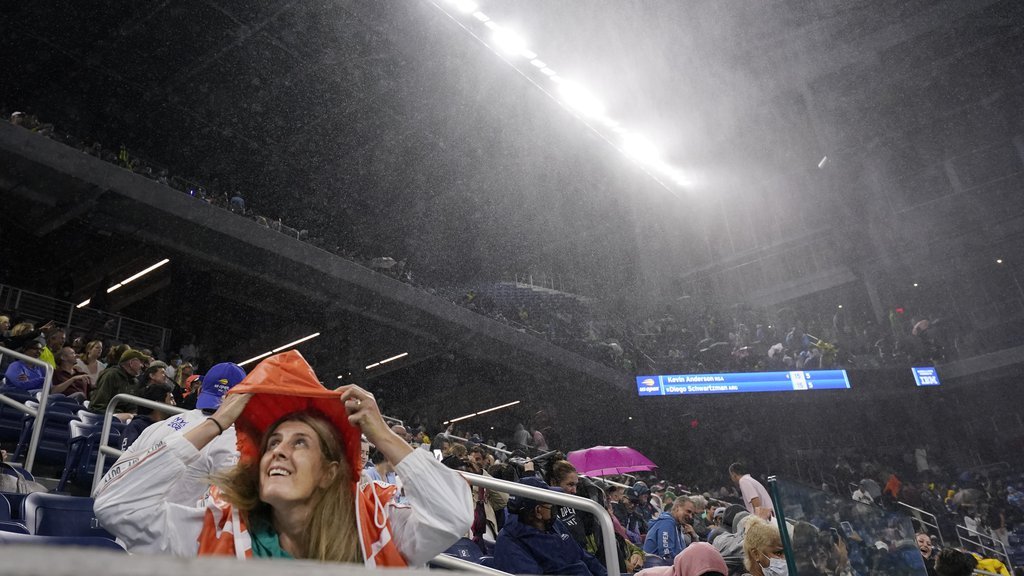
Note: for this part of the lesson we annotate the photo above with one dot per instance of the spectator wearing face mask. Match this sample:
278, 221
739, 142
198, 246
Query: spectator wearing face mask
762, 550
534, 542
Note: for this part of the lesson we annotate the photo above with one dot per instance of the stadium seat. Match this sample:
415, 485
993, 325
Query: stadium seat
80, 541
465, 549
5, 509
15, 500
53, 440
83, 444
487, 561
10, 418
61, 515
652, 561
12, 526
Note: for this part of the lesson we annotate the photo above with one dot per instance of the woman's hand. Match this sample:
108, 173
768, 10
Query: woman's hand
229, 411
364, 414
231, 408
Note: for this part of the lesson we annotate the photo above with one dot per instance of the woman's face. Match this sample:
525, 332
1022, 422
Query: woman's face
568, 484
96, 350
293, 467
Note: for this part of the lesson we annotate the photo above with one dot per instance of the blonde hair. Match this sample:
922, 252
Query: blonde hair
459, 451
84, 356
5, 319
760, 538
332, 534
179, 377
22, 328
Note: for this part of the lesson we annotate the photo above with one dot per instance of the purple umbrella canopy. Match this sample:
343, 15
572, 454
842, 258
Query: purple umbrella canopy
609, 460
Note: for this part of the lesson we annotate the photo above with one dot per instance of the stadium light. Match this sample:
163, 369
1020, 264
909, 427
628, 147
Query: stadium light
465, 6
127, 280
640, 149
509, 42
386, 360
824, 159
296, 343
538, 63
579, 98
280, 348
468, 416
481, 16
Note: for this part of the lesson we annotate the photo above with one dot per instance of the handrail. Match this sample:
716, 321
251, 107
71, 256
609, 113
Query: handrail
453, 563
1004, 555
101, 453
918, 513
611, 558
488, 446
40, 413
607, 529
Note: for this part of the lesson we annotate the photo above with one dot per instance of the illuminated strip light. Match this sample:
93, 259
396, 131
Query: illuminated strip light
279, 348
127, 280
386, 360
513, 45
468, 416
296, 343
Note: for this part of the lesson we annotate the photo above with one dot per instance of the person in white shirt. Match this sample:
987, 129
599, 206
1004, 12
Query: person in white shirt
755, 496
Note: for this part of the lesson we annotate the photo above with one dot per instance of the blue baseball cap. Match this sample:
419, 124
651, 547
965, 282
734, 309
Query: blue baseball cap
216, 383
517, 504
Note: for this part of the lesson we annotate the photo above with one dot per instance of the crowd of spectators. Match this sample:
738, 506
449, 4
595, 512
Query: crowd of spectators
656, 519
710, 341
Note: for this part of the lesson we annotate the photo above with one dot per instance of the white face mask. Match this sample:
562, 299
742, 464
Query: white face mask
776, 567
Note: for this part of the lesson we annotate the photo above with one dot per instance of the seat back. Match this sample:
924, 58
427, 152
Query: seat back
465, 549
12, 526
61, 515
80, 541
5, 509
89, 417
16, 502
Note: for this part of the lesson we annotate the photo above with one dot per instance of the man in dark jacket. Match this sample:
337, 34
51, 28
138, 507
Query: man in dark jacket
118, 379
534, 542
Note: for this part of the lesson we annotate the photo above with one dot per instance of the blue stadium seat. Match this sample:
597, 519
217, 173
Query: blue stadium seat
465, 549
83, 445
12, 526
10, 419
80, 541
652, 561
487, 561
16, 501
61, 515
5, 509
53, 440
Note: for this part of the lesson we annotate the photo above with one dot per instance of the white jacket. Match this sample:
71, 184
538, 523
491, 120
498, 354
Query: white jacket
133, 503
220, 453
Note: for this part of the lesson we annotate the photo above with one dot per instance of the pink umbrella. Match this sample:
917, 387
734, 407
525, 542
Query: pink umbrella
609, 460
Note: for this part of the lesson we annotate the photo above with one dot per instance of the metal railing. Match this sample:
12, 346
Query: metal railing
38, 414
559, 498
488, 446
920, 515
101, 453
964, 534
611, 557
107, 325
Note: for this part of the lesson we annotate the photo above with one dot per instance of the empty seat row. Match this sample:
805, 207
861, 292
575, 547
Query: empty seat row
51, 519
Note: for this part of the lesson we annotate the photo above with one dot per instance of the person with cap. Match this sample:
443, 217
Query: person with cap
119, 379
716, 524
670, 533
533, 541
23, 375
294, 492
219, 454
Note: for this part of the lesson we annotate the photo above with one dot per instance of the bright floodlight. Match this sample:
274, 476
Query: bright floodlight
465, 6
579, 98
509, 42
640, 149
481, 16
